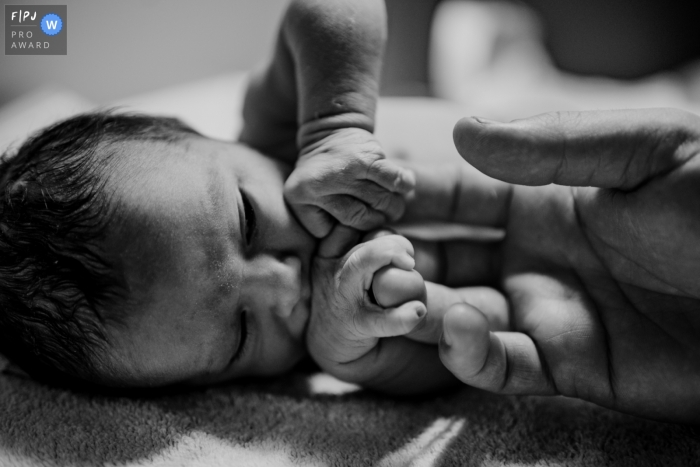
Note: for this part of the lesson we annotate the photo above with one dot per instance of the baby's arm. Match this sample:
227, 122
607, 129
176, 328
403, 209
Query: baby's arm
316, 100
324, 74
358, 340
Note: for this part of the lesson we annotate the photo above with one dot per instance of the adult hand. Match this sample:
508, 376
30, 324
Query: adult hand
601, 261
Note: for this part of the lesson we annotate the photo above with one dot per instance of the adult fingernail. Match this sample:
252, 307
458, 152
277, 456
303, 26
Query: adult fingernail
485, 121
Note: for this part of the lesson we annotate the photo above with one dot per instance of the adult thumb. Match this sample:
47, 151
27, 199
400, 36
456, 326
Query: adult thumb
608, 149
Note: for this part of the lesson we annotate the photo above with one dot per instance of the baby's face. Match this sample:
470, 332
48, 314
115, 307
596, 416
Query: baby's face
217, 267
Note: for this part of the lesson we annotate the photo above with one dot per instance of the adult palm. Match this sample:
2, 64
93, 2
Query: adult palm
601, 260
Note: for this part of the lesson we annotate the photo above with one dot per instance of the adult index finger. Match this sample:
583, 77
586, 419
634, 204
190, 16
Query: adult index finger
457, 193
491, 303
607, 149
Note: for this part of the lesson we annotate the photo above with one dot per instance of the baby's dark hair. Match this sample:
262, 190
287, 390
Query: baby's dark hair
55, 278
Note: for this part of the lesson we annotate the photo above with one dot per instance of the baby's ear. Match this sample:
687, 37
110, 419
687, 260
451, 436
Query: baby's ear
338, 242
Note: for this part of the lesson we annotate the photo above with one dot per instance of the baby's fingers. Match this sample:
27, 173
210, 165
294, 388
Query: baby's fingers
355, 276
367, 258
353, 212
389, 322
502, 362
314, 219
320, 217
363, 206
391, 176
390, 204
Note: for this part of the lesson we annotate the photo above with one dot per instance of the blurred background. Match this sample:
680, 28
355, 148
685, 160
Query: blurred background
125, 47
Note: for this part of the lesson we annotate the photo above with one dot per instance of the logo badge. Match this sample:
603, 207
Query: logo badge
36, 30
51, 24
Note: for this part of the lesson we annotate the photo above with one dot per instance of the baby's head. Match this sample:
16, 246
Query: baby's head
136, 252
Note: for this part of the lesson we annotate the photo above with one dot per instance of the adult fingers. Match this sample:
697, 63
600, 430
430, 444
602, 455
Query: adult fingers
458, 263
503, 362
607, 149
377, 322
490, 302
392, 357
457, 193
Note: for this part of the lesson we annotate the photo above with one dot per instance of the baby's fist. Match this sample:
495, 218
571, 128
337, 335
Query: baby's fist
345, 324
345, 177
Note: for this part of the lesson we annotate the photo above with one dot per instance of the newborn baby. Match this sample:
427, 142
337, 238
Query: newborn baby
139, 253
145, 254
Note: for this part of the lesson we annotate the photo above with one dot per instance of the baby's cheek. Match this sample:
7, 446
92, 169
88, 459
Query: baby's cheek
392, 287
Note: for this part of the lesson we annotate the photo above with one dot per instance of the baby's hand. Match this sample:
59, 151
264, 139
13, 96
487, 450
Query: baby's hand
346, 324
343, 175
